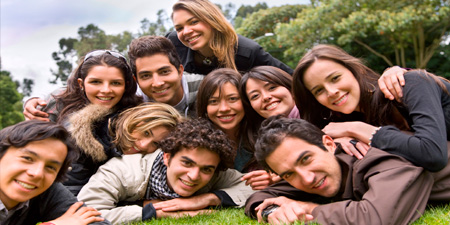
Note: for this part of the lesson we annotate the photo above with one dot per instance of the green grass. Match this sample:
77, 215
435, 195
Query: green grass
432, 216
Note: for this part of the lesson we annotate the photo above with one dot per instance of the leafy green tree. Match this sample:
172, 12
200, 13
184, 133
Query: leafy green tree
410, 30
64, 58
246, 10
261, 26
11, 110
158, 27
26, 86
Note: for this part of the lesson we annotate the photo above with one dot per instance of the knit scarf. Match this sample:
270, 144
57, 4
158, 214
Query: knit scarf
157, 186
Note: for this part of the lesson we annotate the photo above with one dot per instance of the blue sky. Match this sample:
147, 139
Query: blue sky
30, 29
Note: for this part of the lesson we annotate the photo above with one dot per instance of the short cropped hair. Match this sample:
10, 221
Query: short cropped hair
142, 118
21, 134
276, 128
200, 133
151, 45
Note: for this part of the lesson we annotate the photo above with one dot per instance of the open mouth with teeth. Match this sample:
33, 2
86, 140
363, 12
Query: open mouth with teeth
341, 100
189, 184
318, 185
26, 186
105, 98
161, 91
272, 105
226, 118
192, 39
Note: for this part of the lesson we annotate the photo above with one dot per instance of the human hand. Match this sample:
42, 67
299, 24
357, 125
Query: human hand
336, 129
260, 179
191, 203
30, 111
391, 82
78, 214
288, 212
357, 148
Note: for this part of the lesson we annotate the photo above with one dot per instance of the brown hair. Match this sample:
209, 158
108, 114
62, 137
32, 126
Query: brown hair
224, 38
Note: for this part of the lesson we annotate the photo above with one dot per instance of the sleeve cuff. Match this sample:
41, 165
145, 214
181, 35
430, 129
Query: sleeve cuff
148, 212
225, 199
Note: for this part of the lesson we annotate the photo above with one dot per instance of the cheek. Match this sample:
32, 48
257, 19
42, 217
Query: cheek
210, 110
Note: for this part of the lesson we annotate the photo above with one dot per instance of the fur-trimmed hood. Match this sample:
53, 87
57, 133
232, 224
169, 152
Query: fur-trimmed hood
82, 126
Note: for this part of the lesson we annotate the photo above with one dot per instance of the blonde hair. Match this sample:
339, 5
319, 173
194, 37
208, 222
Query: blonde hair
142, 118
223, 34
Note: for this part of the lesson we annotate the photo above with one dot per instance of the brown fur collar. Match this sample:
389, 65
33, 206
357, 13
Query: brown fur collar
81, 127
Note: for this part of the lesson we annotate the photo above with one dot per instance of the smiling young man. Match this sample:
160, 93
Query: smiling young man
381, 188
160, 74
34, 156
185, 176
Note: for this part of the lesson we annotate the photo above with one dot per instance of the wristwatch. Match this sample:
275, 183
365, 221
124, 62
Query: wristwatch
268, 210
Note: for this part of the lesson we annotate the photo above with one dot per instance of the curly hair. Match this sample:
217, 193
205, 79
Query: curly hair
199, 133
21, 134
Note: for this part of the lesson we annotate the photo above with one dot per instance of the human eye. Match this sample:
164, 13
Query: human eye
95, 82
27, 158
272, 87
212, 101
146, 133
234, 98
186, 163
193, 22
145, 76
318, 91
254, 96
335, 78
208, 170
116, 83
165, 72
286, 176
305, 159
52, 168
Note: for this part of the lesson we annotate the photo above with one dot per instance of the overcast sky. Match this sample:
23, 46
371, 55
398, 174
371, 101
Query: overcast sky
30, 29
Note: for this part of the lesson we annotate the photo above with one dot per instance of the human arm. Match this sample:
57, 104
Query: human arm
391, 82
384, 189
192, 203
118, 180
260, 179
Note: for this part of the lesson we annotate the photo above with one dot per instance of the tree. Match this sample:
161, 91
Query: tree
64, 58
157, 28
11, 99
265, 21
246, 10
408, 31
26, 86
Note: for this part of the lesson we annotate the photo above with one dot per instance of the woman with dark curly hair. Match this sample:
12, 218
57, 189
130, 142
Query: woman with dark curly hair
188, 174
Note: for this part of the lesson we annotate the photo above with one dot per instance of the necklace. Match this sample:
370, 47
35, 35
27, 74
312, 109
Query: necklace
207, 61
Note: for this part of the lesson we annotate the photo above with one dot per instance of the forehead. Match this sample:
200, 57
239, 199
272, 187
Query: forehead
201, 156
48, 150
180, 16
227, 89
153, 63
105, 73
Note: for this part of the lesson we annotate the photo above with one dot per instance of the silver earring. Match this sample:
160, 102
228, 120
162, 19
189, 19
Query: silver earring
82, 88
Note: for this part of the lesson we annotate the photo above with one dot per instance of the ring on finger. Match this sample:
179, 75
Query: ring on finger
354, 142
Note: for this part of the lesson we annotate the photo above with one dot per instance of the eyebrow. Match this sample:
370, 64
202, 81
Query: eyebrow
296, 161
31, 152
189, 20
192, 161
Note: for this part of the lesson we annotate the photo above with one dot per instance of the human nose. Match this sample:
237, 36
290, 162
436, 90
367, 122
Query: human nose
36, 170
157, 81
187, 30
106, 88
306, 176
223, 106
266, 96
194, 173
331, 91
143, 144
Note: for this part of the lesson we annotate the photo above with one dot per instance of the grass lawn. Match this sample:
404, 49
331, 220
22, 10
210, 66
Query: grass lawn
434, 215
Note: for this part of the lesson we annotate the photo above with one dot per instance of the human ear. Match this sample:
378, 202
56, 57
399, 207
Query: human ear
166, 159
329, 144
80, 83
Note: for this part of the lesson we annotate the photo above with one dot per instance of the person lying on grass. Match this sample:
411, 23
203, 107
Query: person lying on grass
34, 157
186, 175
381, 188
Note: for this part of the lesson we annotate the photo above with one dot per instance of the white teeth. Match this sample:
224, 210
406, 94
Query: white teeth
105, 99
187, 183
340, 100
226, 117
320, 183
193, 39
271, 106
161, 91
27, 186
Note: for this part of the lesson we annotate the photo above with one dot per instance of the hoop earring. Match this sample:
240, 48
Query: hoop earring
329, 116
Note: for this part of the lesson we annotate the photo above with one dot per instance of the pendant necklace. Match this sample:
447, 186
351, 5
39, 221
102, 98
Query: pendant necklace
206, 60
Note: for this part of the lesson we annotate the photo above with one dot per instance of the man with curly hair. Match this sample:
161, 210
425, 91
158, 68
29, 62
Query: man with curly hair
187, 174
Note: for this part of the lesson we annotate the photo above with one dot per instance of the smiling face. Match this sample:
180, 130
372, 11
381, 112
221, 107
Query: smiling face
28, 171
103, 85
147, 141
192, 32
190, 169
269, 99
225, 108
159, 79
333, 86
307, 167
